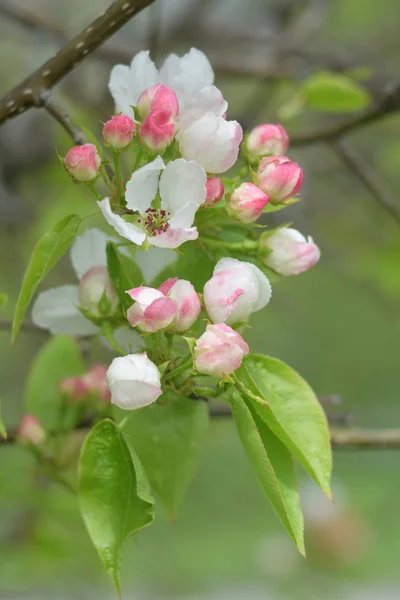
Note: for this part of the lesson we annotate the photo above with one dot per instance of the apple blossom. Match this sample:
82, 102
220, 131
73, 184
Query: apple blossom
157, 130
247, 202
31, 430
291, 253
158, 96
83, 162
118, 132
215, 191
134, 381
219, 351
96, 383
279, 177
267, 139
96, 293
235, 291
182, 189
152, 310
187, 302
73, 388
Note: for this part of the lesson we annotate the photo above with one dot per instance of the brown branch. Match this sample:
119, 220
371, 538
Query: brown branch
56, 110
33, 91
364, 439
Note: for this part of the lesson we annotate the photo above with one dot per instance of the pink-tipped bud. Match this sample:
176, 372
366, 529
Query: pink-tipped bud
152, 310
96, 383
118, 132
187, 302
157, 130
83, 162
247, 202
291, 253
279, 177
219, 351
97, 294
73, 388
215, 191
267, 139
30, 430
157, 96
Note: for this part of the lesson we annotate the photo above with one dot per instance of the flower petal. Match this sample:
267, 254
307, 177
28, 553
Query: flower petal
184, 217
182, 182
143, 74
57, 310
174, 237
208, 100
127, 230
119, 86
142, 187
89, 250
130, 395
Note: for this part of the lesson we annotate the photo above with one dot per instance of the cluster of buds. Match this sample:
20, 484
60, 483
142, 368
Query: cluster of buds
159, 108
92, 384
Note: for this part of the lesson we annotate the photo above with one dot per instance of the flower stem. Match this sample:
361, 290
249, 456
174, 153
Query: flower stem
117, 170
245, 390
108, 334
137, 159
90, 186
243, 246
187, 363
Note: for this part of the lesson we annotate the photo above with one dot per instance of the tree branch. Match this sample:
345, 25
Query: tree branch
364, 439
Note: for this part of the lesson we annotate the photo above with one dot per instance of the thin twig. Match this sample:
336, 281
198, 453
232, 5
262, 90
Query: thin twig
357, 439
61, 115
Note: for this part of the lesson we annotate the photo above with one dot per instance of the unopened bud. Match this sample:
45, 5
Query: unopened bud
73, 388
157, 96
279, 177
157, 130
219, 351
97, 294
83, 162
247, 202
267, 139
96, 383
187, 302
290, 252
118, 132
215, 191
31, 430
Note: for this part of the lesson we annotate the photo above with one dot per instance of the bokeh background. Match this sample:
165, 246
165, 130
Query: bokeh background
338, 324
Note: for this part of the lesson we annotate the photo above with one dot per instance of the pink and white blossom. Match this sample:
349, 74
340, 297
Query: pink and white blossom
267, 139
152, 310
157, 130
118, 132
31, 430
187, 302
247, 202
96, 293
182, 189
134, 381
219, 351
215, 191
279, 177
83, 162
235, 291
291, 252
155, 97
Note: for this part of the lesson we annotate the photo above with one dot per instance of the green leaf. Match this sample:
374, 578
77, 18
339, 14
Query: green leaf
3, 300
3, 431
124, 273
291, 410
273, 466
60, 357
45, 256
276, 207
113, 496
168, 438
332, 92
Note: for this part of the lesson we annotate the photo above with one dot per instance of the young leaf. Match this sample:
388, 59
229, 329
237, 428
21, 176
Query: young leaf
45, 256
112, 494
60, 357
292, 412
168, 437
124, 273
273, 466
3, 431
332, 92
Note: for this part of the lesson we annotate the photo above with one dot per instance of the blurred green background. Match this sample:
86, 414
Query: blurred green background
338, 324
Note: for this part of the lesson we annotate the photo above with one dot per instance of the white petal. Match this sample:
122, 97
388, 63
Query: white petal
187, 75
182, 182
56, 309
174, 237
143, 74
142, 187
184, 217
119, 86
264, 287
127, 230
208, 100
89, 250
153, 261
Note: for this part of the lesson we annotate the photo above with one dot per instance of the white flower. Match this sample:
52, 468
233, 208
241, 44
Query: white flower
214, 143
182, 189
134, 381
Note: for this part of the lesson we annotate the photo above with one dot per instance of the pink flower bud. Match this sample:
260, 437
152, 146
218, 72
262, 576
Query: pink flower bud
187, 302
158, 96
97, 294
118, 132
219, 351
74, 388
279, 177
152, 311
96, 383
267, 139
292, 253
247, 202
83, 162
215, 191
157, 130
30, 430
235, 291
